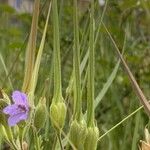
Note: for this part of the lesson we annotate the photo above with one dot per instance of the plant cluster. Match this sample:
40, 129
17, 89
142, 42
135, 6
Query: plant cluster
60, 110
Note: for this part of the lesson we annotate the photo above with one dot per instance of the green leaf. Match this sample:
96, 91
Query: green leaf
107, 85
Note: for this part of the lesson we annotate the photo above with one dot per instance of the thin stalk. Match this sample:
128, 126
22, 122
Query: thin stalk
99, 22
54, 143
59, 139
136, 129
36, 139
6, 71
119, 123
91, 72
21, 137
76, 63
57, 60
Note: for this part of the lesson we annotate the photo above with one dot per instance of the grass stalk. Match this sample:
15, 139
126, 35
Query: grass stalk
56, 49
119, 123
76, 63
91, 72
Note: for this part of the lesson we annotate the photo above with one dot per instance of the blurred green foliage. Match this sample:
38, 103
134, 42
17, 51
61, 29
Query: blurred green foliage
124, 18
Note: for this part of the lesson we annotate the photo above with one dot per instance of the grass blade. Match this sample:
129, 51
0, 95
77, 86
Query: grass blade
6, 71
39, 56
107, 85
31, 46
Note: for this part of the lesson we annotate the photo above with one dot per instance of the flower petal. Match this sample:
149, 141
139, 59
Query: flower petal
19, 97
13, 120
24, 116
11, 109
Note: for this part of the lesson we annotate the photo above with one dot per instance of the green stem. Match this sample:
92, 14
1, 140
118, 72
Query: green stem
57, 60
10, 137
91, 72
36, 139
21, 137
76, 63
59, 139
55, 142
119, 123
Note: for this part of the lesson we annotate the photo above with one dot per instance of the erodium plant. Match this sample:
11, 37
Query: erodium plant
77, 133
58, 107
92, 130
43, 116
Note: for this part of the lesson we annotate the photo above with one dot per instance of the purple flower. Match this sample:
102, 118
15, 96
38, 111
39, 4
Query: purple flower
19, 110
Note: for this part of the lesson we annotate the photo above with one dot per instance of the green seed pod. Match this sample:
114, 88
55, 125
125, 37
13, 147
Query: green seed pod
40, 114
77, 134
58, 114
91, 138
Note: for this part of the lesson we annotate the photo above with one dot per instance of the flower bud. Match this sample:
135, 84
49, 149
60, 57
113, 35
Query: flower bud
69, 89
77, 134
4, 97
58, 114
145, 145
91, 138
147, 135
40, 114
25, 145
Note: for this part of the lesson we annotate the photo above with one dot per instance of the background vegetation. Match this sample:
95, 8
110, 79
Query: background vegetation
129, 24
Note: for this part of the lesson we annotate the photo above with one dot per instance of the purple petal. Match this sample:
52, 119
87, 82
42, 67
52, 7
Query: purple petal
24, 116
13, 120
11, 109
19, 97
